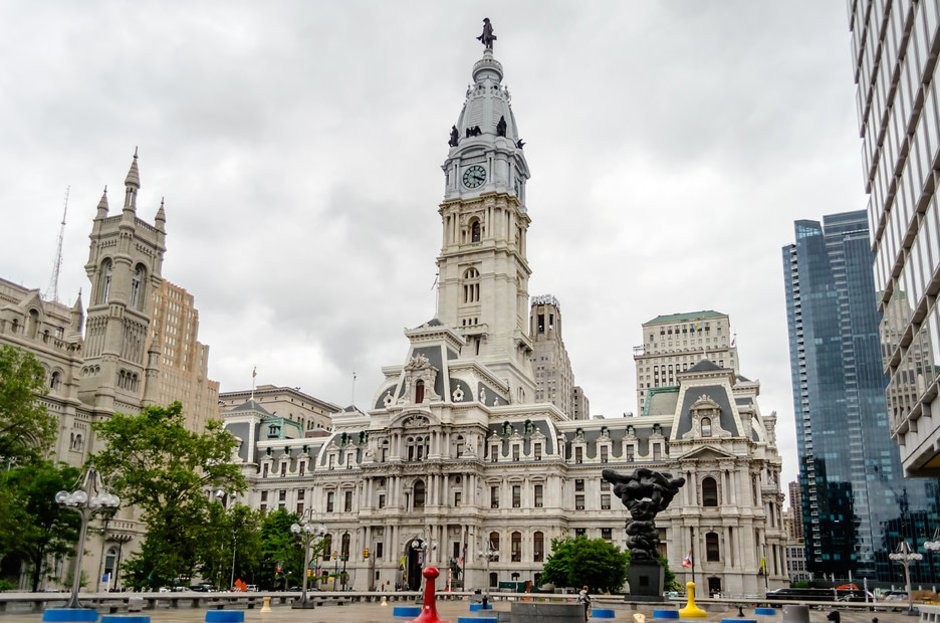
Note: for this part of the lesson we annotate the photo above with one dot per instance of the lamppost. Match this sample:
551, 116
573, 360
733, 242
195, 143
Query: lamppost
308, 532
91, 497
335, 568
224, 497
905, 555
489, 555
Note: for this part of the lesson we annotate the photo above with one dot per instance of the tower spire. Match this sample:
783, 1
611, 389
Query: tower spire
160, 220
131, 185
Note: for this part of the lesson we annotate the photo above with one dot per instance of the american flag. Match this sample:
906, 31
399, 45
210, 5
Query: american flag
687, 561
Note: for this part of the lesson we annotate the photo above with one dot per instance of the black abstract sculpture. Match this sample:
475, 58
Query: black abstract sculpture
645, 493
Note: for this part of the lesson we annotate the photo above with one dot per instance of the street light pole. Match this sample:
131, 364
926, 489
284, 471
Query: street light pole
91, 497
308, 531
905, 555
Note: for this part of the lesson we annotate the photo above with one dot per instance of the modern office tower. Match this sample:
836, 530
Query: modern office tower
796, 506
856, 505
675, 342
184, 361
554, 379
894, 50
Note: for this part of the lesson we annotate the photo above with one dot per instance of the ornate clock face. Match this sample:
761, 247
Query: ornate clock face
474, 176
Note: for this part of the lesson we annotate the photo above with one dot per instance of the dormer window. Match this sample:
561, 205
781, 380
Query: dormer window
419, 391
706, 427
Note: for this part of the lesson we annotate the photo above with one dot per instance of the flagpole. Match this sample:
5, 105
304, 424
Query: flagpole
692, 552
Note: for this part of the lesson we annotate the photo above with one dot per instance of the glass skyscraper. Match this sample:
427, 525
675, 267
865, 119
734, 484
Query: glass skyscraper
856, 504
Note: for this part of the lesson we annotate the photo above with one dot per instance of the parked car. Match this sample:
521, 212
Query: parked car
202, 588
895, 596
252, 588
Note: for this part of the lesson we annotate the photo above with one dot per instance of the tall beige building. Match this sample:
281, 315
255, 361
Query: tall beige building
673, 343
554, 378
184, 361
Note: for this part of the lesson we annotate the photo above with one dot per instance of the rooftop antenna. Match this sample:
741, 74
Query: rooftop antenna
52, 292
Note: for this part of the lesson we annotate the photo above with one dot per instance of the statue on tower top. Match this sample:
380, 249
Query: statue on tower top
487, 38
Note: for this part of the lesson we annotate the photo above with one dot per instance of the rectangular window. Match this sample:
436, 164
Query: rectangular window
494, 497
494, 453
283, 469
347, 502
605, 502
516, 496
329, 502
264, 496
606, 533
538, 496
580, 531
579, 484
457, 498
282, 495
579, 455
603, 454
300, 494
379, 550
515, 453
538, 452
381, 500
579, 502
300, 508
605, 485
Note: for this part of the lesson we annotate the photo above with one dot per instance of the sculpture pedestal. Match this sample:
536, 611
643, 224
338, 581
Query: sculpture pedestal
646, 581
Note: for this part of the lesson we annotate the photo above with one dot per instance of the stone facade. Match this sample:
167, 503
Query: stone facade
456, 462
110, 358
554, 378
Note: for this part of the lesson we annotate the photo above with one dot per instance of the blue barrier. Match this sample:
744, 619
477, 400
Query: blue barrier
601, 613
481, 619
765, 611
480, 606
71, 615
406, 611
665, 614
125, 618
225, 616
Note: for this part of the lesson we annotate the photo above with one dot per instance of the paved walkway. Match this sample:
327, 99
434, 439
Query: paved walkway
450, 610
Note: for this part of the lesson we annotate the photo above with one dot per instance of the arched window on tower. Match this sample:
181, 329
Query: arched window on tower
471, 285
709, 492
32, 323
419, 391
475, 231
104, 285
137, 287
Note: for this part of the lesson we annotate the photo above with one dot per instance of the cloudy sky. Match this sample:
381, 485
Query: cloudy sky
298, 145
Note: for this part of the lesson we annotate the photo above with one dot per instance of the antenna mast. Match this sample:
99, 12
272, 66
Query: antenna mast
52, 292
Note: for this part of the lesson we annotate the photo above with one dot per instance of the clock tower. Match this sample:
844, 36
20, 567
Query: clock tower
483, 290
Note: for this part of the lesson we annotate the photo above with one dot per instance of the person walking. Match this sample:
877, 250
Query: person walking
585, 600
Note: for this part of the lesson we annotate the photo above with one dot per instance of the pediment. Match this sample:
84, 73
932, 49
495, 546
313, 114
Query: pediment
414, 419
706, 454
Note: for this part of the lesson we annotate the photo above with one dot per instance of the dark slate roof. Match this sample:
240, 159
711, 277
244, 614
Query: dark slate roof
433, 322
250, 405
744, 379
716, 393
705, 365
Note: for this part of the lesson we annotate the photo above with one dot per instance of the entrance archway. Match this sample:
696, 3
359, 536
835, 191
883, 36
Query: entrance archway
414, 556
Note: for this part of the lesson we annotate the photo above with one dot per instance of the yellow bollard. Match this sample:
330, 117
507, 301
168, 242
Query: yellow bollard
691, 610
384, 601
265, 605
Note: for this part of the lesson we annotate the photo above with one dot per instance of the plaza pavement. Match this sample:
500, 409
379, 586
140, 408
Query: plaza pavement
451, 610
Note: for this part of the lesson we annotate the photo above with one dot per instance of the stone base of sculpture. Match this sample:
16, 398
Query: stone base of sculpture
646, 581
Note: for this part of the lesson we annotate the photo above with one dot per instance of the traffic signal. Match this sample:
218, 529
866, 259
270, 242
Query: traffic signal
365, 552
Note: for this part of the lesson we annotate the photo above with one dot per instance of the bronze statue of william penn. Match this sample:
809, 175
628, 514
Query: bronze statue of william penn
487, 38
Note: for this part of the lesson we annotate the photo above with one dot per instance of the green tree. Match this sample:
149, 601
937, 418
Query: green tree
280, 550
27, 430
580, 561
155, 463
34, 526
669, 578
231, 537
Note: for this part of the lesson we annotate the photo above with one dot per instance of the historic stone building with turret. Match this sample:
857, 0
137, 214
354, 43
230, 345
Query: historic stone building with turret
457, 461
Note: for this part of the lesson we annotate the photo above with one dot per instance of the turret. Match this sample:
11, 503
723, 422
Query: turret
103, 205
131, 186
160, 220
77, 317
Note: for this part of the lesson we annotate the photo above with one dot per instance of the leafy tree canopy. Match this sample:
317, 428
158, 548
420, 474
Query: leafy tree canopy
27, 430
281, 549
596, 563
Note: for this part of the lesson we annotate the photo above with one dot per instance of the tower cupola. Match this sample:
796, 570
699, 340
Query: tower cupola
131, 186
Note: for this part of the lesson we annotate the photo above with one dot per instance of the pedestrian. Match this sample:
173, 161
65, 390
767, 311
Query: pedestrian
585, 600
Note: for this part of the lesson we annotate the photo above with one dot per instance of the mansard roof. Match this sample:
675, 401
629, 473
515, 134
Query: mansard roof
719, 395
685, 317
705, 365
251, 405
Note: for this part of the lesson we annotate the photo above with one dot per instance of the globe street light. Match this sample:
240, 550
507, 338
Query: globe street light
933, 545
91, 497
905, 555
308, 532
489, 555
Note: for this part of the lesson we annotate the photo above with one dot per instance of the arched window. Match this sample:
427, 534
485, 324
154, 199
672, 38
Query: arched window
709, 492
494, 545
344, 550
712, 551
32, 323
419, 391
459, 447
706, 427
327, 546
538, 547
104, 285
137, 287
475, 231
55, 380
471, 285
419, 493
515, 546
109, 563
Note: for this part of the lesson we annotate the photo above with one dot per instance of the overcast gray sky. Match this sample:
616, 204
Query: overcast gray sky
298, 145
